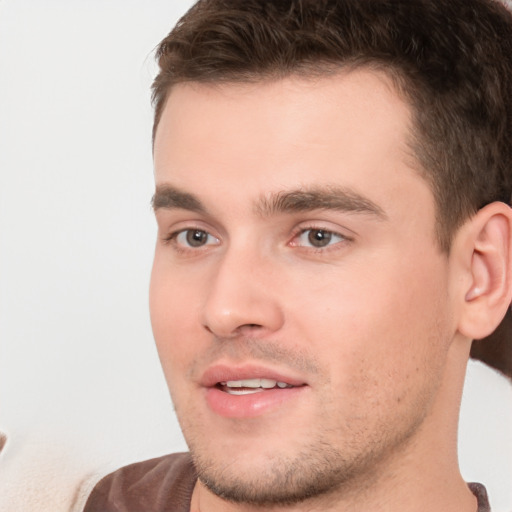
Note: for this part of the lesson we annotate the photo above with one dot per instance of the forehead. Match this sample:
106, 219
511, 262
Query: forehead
350, 129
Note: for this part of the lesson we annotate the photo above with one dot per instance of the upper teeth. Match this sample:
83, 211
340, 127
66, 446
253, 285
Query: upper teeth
255, 383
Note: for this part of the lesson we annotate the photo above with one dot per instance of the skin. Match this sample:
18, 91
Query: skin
367, 323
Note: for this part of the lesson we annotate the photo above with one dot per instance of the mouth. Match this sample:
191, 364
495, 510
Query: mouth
249, 377
251, 386
249, 391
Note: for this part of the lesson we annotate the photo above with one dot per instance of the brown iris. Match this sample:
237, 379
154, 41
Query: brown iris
319, 237
196, 237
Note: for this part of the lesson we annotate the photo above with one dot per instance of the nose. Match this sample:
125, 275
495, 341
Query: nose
242, 297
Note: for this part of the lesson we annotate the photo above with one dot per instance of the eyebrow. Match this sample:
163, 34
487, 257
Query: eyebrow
318, 198
300, 200
169, 198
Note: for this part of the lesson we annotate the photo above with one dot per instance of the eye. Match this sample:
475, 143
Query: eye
193, 238
318, 238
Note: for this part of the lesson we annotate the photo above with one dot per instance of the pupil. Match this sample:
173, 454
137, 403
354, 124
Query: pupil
196, 238
319, 237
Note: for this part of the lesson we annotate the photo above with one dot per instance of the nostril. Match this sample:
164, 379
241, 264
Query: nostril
249, 327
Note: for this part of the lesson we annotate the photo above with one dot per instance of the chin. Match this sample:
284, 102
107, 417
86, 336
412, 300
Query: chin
271, 468
270, 480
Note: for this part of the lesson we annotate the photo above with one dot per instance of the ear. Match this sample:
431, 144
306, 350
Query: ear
486, 245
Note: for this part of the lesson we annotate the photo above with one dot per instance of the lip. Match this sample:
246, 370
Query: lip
223, 373
252, 405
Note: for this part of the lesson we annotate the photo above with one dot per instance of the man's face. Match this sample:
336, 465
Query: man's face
296, 245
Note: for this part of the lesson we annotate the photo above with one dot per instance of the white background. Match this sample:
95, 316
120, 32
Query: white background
81, 390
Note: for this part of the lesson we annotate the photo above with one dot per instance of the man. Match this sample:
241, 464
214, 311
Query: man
332, 180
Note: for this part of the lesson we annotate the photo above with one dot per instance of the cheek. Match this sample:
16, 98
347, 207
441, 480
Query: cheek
382, 331
170, 301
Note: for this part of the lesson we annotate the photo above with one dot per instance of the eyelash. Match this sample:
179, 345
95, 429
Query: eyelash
330, 246
172, 238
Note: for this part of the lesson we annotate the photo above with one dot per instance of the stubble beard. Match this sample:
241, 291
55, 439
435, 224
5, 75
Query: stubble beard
317, 471
285, 481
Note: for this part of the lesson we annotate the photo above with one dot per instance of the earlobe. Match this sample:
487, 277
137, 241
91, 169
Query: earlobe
489, 292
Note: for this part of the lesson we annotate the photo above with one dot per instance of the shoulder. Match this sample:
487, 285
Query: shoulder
481, 495
152, 485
